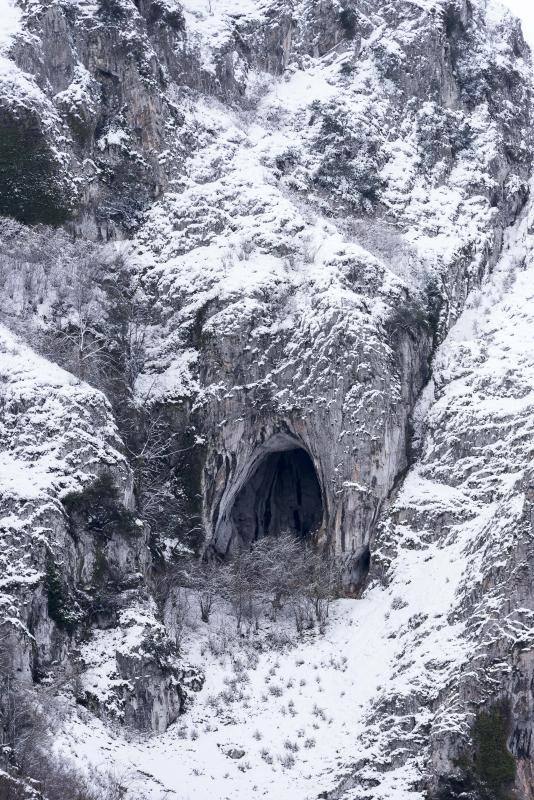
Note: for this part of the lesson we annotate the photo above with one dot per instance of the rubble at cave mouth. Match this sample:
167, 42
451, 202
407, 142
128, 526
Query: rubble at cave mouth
283, 494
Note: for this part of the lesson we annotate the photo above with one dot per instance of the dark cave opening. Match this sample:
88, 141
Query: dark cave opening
282, 495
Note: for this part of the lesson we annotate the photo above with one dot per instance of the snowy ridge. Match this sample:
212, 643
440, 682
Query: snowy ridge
249, 225
313, 196
463, 505
56, 435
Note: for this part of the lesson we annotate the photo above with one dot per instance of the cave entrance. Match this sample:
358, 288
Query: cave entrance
283, 494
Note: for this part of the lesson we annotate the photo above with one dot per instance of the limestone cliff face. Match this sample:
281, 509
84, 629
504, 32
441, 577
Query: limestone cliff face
54, 432
306, 196
74, 556
463, 676
311, 262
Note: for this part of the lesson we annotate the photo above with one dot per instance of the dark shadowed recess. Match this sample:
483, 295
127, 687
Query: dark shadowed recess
282, 495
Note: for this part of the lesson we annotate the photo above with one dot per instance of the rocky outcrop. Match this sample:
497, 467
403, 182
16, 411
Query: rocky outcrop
56, 434
458, 701
73, 553
287, 326
311, 193
133, 674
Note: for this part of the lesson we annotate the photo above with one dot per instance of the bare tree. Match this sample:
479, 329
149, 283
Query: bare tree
208, 579
153, 448
280, 563
273, 573
179, 609
279, 571
77, 315
28, 766
240, 587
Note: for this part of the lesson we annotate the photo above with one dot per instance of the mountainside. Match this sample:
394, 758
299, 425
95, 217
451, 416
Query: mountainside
266, 271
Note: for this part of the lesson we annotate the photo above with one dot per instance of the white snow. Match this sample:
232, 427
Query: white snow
403, 644
55, 435
10, 22
235, 236
524, 9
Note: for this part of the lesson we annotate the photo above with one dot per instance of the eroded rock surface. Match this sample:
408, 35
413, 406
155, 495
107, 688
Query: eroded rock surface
305, 196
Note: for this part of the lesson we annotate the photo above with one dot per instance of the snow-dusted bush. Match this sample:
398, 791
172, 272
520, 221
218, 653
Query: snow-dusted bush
274, 575
350, 156
78, 300
291, 746
29, 769
287, 760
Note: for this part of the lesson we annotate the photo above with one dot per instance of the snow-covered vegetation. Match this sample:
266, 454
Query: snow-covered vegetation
265, 400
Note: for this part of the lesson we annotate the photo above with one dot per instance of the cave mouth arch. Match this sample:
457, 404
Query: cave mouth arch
282, 494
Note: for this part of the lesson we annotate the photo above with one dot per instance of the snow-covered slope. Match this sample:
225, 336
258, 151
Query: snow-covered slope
325, 252
381, 697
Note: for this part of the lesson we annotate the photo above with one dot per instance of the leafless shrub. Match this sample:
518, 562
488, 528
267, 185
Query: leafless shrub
318, 712
228, 696
180, 613
26, 753
302, 613
275, 573
220, 641
252, 660
272, 575
208, 581
291, 746
287, 761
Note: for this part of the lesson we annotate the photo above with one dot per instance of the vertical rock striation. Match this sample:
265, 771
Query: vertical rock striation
309, 193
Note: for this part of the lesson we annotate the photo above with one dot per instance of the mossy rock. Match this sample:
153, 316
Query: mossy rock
128, 187
113, 11
487, 772
101, 567
161, 12
98, 509
32, 186
62, 608
349, 22
493, 763
80, 124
